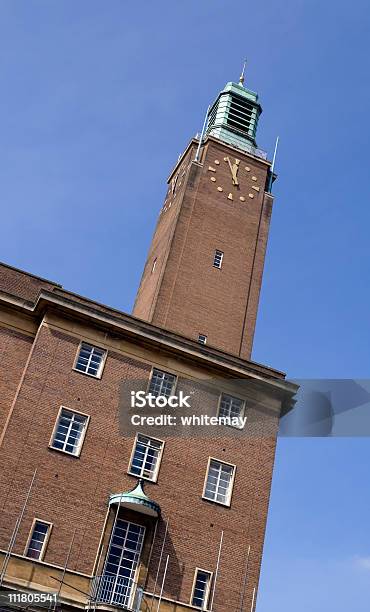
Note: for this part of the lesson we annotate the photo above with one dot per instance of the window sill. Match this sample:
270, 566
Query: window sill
153, 481
218, 503
98, 377
64, 452
40, 559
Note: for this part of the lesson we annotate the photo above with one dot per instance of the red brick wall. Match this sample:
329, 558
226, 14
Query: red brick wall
21, 284
163, 243
73, 492
14, 350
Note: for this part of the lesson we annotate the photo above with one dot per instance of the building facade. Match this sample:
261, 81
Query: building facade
112, 513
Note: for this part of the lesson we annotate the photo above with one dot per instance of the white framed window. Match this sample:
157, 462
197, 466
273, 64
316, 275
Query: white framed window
90, 360
118, 583
201, 588
69, 431
217, 259
154, 265
38, 539
146, 457
219, 481
231, 406
162, 383
202, 339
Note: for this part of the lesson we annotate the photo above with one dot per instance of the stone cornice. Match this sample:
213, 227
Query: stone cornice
145, 333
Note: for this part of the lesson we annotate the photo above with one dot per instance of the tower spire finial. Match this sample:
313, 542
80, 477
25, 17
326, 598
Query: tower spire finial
241, 79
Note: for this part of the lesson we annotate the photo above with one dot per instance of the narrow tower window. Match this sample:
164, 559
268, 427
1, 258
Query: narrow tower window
38, 540
202, 339
154, 265
217, 259
201, 589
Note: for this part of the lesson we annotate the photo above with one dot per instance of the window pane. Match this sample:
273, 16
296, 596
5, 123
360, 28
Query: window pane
161, 383
218, 484
201, 589
217, 259
146, 457
231, 406
37, 540
69, 431
90, 359
118, 581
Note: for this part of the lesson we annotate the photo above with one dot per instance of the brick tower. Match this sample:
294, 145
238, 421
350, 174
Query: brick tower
203, 274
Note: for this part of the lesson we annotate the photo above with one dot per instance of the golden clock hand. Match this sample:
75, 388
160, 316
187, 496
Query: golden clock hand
234, 172
229, 162
231, 170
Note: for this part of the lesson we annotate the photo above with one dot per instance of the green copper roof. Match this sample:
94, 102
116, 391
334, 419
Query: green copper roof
137, 500
233, 118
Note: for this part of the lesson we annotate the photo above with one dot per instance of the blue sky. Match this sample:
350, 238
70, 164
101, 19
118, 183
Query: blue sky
99, 99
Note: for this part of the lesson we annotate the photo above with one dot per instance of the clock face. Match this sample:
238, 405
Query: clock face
241, 185
174, 187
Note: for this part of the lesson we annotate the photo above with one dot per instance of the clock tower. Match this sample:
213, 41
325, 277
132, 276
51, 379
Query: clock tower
203, 273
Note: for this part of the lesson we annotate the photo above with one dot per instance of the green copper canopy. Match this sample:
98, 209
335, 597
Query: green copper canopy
233, 118
136, 500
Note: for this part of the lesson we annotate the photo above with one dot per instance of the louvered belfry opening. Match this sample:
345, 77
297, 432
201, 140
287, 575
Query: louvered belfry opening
233, 118
240, 115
